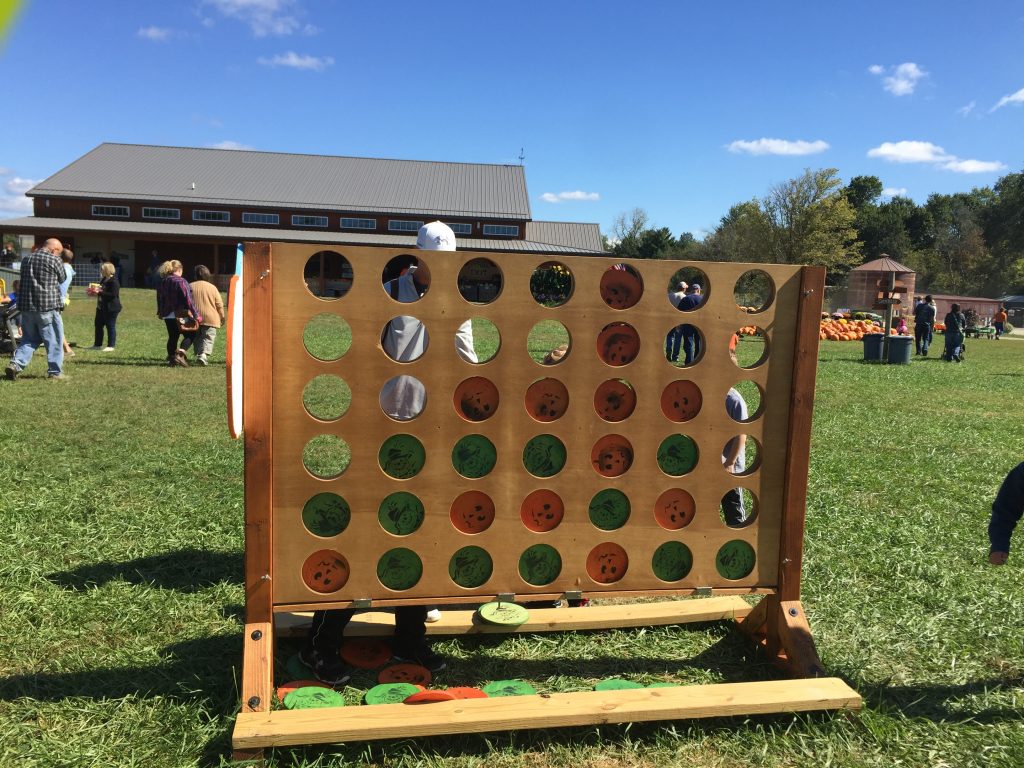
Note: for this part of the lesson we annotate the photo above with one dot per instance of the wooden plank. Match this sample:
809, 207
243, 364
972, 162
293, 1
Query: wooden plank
798, 447
374, 623
257, 409
386, 721
257, 667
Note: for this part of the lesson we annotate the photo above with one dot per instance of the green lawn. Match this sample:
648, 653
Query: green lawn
121, 523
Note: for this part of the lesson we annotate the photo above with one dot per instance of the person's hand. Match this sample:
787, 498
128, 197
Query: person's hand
998, 558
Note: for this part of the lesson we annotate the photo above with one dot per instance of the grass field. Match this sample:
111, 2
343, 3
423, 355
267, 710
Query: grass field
121, 526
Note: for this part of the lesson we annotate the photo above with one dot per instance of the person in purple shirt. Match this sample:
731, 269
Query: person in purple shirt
173, 301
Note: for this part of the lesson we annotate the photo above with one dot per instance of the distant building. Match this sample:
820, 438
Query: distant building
1014, 309
133, 201
863, 284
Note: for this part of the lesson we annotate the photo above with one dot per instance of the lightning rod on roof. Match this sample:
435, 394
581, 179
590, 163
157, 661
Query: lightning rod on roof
522, 155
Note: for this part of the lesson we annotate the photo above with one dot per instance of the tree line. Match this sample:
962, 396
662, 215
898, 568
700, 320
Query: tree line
967, 243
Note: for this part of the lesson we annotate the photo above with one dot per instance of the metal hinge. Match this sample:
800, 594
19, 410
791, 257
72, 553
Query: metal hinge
506, 597
573, 594
702, 592
362, 602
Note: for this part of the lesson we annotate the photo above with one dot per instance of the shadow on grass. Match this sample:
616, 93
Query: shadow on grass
185, 570
938, 702
136, 362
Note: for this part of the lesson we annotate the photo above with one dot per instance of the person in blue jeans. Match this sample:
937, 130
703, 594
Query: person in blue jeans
691, 336
40, 302
924, 319
1006, 513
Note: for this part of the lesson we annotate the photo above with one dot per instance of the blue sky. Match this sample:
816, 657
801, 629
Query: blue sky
681, 108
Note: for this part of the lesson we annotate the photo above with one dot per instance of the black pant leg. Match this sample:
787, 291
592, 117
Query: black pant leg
98, 323
328, 629
112, 329
410, 625
173, 332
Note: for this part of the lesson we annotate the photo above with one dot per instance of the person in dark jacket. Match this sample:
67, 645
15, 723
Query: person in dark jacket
955, 325
924, 319
174, 301
108, 306
1006, 512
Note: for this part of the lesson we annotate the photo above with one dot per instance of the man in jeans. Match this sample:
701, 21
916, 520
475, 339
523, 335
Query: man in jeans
40, 302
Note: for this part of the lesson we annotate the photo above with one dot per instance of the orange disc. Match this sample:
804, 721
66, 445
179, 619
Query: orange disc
285, 688
465, 692
472, 512
476, 399
542, 511
425, 697
674, 509
620, 288
366, 652
607, 563
614, 400
547, 399
325, 571
612, 455
681, 400
618, 344
405, 673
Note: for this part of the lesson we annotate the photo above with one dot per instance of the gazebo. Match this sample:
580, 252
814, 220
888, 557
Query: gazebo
868, 279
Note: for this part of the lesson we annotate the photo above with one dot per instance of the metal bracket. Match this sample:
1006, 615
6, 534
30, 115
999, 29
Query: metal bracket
362, 602
573, 594
506, 597
702, 592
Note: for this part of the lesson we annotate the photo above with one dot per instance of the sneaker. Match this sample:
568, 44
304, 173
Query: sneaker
423, 655
433, 615
11, 372
201, 361
108, 349
180, 358
327, 667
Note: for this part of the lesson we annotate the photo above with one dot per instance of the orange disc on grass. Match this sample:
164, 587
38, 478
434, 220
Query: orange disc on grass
681, 400
466, 692
547, 399
542, 511
285, 688
325, 571
618, 344
366, 652
607, 563
674, 509
472, 512
405, 673
476, 398
614, 400
426, 697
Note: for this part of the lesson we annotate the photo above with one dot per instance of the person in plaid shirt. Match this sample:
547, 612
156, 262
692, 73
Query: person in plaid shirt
40, 302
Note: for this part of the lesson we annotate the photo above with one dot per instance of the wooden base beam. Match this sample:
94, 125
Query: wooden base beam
388, 721
780, 627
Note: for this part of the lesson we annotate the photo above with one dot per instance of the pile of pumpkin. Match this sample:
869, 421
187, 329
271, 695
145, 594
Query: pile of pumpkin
848, 330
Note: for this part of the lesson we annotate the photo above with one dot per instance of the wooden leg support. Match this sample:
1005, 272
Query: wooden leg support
781, 628
257, 679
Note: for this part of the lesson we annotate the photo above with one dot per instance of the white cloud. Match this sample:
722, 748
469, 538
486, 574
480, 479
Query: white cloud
902, 79
12, 200
578, 194
229, 144
295, 61
894, 192
1014, 98
932, 154
157, 34
265, 17
967, 109
4, 171
778, 147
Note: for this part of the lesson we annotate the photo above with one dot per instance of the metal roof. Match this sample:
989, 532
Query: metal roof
884, 264
242, 177
56, 226
585, 237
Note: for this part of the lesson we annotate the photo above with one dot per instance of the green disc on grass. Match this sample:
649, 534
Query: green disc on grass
616, 684
391, 693
505, 614
609, 509
297, 669
313, 698
509, 688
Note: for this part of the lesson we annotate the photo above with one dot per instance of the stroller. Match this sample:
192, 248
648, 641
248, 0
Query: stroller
10, 328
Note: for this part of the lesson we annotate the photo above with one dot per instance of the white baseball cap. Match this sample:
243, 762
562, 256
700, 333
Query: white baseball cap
436, 236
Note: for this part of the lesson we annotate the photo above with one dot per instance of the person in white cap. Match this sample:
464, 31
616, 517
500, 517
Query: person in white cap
674, 339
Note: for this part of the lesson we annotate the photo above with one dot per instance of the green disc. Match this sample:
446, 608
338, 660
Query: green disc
296, 669
326, 514
544, 456
735, 559
313, 698
470, 567
616, 684
391, 693
540, 565
506, 614
399, 569
672, 561
609, 509
509, 688
402, 456
400, 513
474, 456
677, 455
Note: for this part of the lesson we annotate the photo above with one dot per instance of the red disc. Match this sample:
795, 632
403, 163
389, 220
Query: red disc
325, 571
465, 692
620, 288
681, 400
472, 512
614, 400
547, 399
476, 399
425, 697
674, 509
366, 652
542, 511
405, 673
607, 563
285, 688
612, 455
618, 344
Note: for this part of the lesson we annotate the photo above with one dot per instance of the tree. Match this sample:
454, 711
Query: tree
743, 234
626, 230
863, 191
656, 244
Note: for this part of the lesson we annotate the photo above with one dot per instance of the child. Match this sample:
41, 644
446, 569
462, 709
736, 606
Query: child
1006, 511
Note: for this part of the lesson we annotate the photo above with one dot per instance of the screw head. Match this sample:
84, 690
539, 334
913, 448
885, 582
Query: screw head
793, 612
253, 702
256, 634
